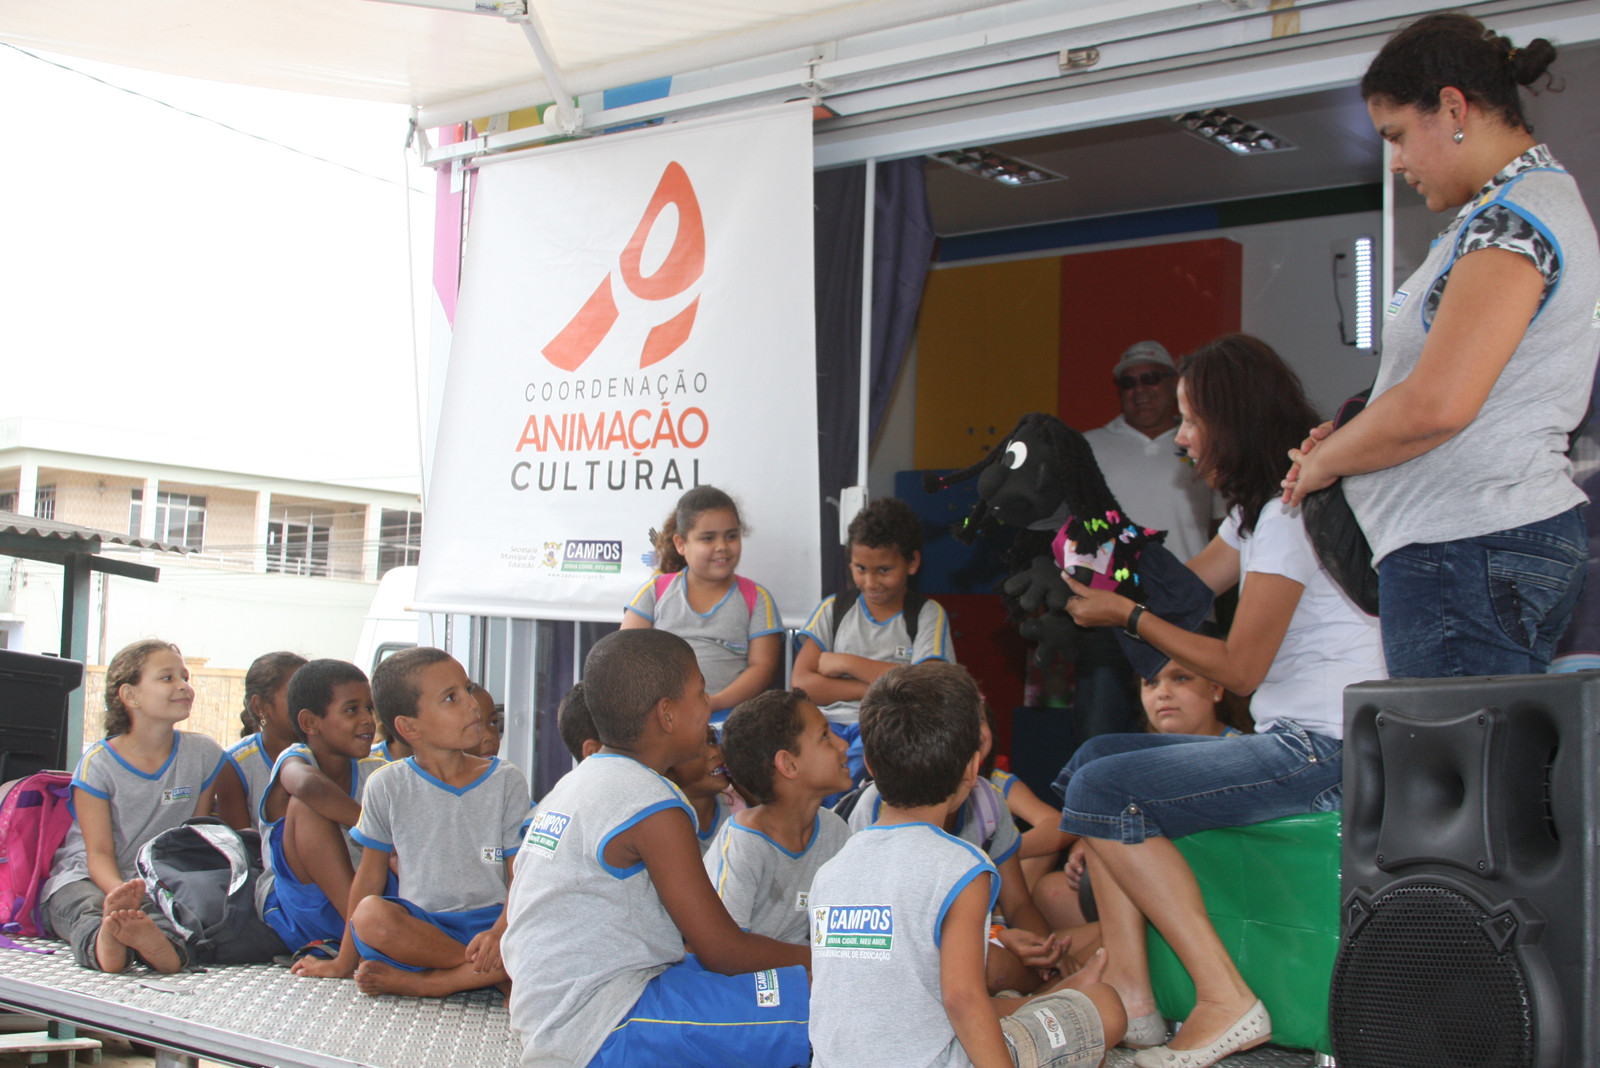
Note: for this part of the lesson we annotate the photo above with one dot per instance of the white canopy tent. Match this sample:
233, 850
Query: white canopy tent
902, 77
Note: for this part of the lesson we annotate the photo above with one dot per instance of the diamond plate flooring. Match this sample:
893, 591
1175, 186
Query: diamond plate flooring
262, 1015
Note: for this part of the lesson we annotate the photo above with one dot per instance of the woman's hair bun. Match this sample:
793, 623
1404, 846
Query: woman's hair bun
1531, 61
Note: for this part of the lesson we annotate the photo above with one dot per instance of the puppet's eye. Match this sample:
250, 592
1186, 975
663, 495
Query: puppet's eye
1016, 455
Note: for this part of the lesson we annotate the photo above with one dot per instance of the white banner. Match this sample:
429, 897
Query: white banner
635, 319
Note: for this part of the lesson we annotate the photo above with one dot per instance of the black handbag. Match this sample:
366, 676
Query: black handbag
1336, 536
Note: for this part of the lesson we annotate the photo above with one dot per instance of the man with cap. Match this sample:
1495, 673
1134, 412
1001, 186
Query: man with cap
1139, 456
1157, 487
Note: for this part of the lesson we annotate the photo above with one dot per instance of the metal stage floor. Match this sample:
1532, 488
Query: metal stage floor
261, 1016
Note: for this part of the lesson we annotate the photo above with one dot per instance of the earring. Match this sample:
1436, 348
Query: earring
1458, 136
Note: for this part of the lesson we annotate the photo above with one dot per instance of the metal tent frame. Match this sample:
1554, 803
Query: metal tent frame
76, 550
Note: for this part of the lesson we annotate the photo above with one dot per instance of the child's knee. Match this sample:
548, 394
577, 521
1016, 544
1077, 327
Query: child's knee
376, 920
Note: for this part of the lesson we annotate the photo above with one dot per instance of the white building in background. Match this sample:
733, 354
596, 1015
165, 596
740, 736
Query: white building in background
274, 561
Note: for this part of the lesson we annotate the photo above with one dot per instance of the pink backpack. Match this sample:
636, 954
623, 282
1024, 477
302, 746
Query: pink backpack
34, 820
747, 589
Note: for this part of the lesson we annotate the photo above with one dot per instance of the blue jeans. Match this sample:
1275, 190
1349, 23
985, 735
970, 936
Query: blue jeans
1491, 605
1126, 787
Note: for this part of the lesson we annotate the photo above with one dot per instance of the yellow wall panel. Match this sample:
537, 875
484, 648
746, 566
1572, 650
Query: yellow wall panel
988, 352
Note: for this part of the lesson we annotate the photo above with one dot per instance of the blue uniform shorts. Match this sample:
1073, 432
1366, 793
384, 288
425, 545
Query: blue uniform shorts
301, 913
462, 926
688, 1016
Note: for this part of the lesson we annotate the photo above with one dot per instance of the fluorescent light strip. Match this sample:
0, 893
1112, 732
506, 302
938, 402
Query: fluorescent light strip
1364, 293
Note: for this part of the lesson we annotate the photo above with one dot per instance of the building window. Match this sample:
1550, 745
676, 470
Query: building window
44, 502
180, 518
8, 501
297, 541
399, 539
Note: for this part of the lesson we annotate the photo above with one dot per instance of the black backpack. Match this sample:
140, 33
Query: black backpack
912, 610
202, 875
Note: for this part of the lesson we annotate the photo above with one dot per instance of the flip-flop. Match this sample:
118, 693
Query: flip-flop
322, 949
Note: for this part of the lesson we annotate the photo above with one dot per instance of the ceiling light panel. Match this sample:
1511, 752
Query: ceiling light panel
1227, 130
1004, 170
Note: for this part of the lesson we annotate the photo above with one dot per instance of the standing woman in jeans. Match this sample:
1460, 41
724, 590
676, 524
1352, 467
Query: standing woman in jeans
1297, 641
1457, 470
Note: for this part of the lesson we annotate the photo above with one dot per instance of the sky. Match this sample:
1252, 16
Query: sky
173, 289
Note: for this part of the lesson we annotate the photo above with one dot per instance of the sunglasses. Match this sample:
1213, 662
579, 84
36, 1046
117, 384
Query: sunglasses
1145, 378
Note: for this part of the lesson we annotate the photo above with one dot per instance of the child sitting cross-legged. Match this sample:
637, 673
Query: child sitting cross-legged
452, 820
310, 803
611, 884
781, 750
900, 917
1025, 949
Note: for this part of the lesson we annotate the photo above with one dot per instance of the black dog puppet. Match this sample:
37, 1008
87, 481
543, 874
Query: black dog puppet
1043, 479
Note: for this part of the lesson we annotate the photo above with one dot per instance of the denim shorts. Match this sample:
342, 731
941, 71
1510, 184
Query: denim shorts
1491, 605
1127, 787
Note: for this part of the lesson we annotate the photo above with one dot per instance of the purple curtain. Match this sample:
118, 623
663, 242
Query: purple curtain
903, 243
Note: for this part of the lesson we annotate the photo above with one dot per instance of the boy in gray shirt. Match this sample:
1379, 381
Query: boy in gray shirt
454, 821
854, 637
781, 751
611, 884
899, 918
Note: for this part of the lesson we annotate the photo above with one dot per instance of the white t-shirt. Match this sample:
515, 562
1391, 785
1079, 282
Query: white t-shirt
1330, 643
1156, 487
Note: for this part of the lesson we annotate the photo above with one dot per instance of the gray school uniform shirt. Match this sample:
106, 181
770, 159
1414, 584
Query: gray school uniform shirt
720, 815
248, 758
585, 937
721, 637
764, 886
142, 805
877, 912
887, 640
453, 841
983, 819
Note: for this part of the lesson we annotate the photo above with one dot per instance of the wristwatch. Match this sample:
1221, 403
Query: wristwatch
1131, 627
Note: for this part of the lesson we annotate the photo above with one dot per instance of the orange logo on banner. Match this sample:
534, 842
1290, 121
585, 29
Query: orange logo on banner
682, 268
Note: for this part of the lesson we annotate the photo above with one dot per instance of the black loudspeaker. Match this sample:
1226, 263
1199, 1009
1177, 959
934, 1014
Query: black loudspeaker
1469, 928
33, 712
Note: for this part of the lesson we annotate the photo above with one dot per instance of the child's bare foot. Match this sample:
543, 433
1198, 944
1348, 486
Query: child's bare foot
374, 977
130, 895
136, 930
1085, 976
110, 950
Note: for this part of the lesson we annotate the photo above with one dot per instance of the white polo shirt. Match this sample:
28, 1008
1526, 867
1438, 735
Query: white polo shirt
1156, 486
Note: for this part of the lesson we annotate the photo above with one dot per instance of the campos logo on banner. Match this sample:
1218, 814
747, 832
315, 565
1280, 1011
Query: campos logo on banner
635, 319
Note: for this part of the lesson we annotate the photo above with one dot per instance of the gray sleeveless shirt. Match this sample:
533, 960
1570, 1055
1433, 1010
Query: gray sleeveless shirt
1508, 467
584, 937
877, 912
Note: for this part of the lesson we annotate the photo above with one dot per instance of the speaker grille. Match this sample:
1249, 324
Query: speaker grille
1422, 984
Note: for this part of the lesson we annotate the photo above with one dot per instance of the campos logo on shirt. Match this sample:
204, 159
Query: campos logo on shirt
857, 931
492, 854
767, 989
802, 901
177, 793
544, 834
1397, 302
